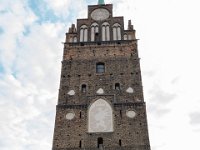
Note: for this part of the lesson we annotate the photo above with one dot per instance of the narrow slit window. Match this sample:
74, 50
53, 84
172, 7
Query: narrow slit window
80, 115
120, 112
80, 144
120, 142
100, 68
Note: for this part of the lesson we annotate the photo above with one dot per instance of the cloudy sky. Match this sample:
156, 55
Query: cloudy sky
31, 36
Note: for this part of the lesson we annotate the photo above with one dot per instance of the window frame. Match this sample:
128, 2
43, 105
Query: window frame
100, 67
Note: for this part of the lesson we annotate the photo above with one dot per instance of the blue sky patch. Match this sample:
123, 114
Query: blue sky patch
26, 31
1, 30
42, 11
1, 68
3, 11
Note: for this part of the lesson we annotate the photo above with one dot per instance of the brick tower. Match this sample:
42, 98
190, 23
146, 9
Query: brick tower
100, 103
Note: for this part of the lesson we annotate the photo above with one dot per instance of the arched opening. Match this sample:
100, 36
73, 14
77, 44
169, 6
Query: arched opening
100, 67
116, 31
75, 39
105, 31
94, 31
70, 39
117, 86
83, 33
96, 36
125, 37
83, 88
100, 142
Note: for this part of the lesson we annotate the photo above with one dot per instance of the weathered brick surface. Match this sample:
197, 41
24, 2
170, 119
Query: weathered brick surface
122, 65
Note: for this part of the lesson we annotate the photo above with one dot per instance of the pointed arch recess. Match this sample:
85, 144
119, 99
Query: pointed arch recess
94, 30
100, 117
105, 31
83, 33
117, 31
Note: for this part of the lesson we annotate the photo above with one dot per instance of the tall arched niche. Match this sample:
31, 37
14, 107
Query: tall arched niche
100, 117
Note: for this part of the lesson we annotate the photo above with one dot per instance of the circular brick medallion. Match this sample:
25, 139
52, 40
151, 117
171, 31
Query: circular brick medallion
131, 114
70, 116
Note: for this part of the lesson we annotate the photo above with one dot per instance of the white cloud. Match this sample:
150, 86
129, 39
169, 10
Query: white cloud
169, 50
39, 55
23, 114
66, 9
29, 84
30, 53
13, 21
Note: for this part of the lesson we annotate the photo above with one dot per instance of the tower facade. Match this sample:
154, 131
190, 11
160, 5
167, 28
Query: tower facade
101, 103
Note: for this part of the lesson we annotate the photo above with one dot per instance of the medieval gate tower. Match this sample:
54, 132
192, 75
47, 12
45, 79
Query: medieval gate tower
100, 103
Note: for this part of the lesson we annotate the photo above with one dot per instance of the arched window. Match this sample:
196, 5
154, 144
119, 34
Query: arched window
70, 39
100, 117
94, 31
100, 67
117, 31
125, 37
105, 31
117, 86
75, 39
99, 142
83, 88
83, 33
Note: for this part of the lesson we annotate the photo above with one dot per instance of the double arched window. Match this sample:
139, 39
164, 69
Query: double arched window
73, 39
94, 31
105, 31
83, 33
117, 31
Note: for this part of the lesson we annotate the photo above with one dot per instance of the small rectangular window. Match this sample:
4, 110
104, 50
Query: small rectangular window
100, 67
